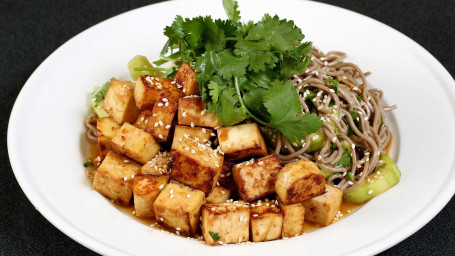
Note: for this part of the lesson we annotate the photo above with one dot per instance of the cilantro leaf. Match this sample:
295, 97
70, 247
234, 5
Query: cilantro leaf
282, 35
228, 65
243, 68
229, 111
286, 112
232, 10
215, 236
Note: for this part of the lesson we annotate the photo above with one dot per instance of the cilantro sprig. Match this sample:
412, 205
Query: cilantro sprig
215, 236
244, 68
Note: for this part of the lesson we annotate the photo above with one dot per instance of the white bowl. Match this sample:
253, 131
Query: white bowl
46, 132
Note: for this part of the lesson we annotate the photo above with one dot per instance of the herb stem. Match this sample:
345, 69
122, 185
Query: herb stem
236, 85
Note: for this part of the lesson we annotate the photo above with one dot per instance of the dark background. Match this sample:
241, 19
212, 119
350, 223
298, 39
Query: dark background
31, 30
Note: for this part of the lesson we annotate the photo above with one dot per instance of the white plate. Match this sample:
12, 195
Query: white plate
46, 130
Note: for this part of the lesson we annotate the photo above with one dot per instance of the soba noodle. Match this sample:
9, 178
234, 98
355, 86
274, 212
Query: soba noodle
370, 135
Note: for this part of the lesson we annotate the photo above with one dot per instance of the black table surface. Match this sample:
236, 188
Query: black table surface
31, 30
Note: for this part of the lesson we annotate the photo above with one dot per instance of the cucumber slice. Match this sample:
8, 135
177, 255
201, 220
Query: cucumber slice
316, 140
390, 174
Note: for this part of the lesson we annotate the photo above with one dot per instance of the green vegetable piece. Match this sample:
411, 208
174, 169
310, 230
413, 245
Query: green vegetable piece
317, 141
390, 174
326, 173
231, 7
215, 236
335, 83
87, 164
138, 61
97, 99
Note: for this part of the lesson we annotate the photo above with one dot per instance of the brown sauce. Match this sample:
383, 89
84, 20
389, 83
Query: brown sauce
92, 152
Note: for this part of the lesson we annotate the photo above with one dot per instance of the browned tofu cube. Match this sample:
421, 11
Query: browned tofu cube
256, 178
135, 143
178, 207
322, 209
114, 176
142, 119
192, 112
293, 219
149, 89
226, 223
199, 134
119, 102
218, 195
106, 129
160, 123
186, 77
196, 165
266, 221
159, 165
241, 142
145, 190
226, 179
299, 181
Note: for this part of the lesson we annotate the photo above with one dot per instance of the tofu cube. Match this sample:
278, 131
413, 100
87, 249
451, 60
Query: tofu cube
186, 77
145, 190
114, 176
142, 119
226, 179
218, 195
149, 89
196, 165
322, 209
243, 141
135, 143
106, 129
192, 112
178, 207
266, 222
159, 165
293, 219
226, 223
159, 124
256, 178
197, 133
299, 181
119, 102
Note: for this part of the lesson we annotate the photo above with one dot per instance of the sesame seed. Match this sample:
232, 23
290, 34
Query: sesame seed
189, 196
156, 124
160, 104
220, 242
223, 192
203, 112
212, 134
186, 148
160, 123
204, 130
126, 161
125, 178
166, 104
370, 192
184, 114
261, 163
192, 125
193, 151
161, 186
161, 136
168, 126
213, 208
154, 114
255, 215
172, 191
172, 196
161, 218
